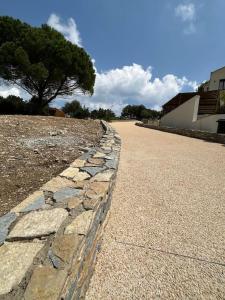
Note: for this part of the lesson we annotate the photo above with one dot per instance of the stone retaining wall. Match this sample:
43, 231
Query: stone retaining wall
211, 137
48, 243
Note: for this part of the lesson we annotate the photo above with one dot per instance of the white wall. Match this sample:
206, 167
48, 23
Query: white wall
183, 116
208, 123
186, 116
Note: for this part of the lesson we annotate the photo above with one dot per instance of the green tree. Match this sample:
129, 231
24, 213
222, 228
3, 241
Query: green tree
43, 62
103, 114
139, 112
75, 110
12, 105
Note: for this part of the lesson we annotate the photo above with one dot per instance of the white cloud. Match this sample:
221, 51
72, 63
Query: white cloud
68, 29
117, 87
187, 14
5, 91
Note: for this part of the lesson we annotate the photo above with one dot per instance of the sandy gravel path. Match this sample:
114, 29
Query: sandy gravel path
165, 237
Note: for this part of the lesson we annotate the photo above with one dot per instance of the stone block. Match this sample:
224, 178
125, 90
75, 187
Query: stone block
81, 176
78, 163
65, 193
37, 224
90, 203
5, 222
112, 164
46, 283
104, 176
81, 224
74, 203
93, 170
33, 202
70, 172
15, 260
64, 247
97, 190
57, 183
96, 161
99, 155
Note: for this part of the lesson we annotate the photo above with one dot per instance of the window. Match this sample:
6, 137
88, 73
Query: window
222, 84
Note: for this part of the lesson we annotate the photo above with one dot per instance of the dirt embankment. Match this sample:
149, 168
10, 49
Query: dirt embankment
33, 149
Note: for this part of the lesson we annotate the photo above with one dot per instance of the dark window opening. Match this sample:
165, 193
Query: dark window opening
221, 126
222, 84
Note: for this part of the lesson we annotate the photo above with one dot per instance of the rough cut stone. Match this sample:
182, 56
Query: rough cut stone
46, 283
80, 176
86, 155
81, 224
97, 190
65, 193
91, 203
81, 184
15, 259
112, 164
5, 223
37, 224
104, 176
96, 161
64, 247
57, 183
99, 155
78, 163
70, 172
93, 170
74, 202
33, 202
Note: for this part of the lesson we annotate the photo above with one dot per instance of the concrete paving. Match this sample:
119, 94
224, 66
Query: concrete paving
165, 234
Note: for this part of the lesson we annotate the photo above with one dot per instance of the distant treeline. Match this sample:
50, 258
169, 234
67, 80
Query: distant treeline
16, 105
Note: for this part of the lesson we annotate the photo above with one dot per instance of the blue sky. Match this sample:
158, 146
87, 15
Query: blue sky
145, 51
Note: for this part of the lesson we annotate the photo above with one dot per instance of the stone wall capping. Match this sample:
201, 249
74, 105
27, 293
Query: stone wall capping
49, 242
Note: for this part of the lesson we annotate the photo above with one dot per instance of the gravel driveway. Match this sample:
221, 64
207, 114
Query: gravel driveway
165, 234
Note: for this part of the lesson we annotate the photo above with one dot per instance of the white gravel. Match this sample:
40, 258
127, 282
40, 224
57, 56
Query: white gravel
165, 235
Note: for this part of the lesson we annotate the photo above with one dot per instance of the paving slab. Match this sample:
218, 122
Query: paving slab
15, 259
168, 206
37, 224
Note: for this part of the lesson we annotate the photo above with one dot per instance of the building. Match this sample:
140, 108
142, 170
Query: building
203, 110
216, 81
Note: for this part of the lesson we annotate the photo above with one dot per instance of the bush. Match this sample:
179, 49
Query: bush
103, 114
75, 110
12, 105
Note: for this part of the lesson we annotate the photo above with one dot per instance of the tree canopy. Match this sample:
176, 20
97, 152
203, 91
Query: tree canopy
103, 114
43, 62
139, 112
75, 110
